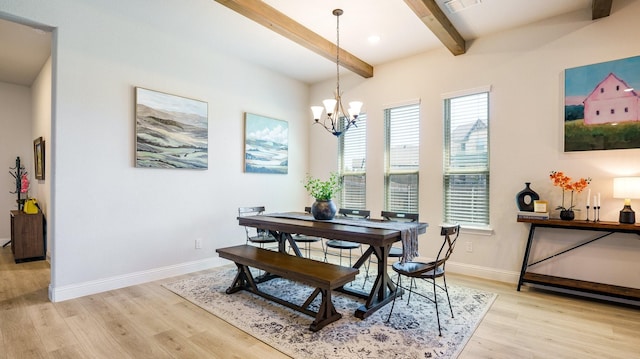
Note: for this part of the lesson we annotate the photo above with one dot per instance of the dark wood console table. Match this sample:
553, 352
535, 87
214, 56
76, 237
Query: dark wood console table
566, 283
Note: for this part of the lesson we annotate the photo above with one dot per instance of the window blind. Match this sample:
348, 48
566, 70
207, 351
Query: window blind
466, 159
352, 153
402, 150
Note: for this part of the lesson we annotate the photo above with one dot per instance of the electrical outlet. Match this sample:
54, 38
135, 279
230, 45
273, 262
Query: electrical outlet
469, 247
198, 243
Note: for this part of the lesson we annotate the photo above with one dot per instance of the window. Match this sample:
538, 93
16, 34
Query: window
466, 159
402, 140
352, 152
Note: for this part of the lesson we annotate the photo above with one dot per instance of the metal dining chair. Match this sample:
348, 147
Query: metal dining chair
429, 271
307, 240
395, 251
256, 236
346, 245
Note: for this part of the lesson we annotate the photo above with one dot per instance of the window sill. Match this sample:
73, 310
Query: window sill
477, 230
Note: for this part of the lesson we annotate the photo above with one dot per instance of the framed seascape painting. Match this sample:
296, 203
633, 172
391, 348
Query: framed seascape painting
602, 106
266, 145
171, 131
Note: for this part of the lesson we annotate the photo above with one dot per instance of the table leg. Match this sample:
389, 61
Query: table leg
527, 251
383, 290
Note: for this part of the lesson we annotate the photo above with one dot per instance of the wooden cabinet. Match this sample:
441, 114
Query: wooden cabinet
27, 236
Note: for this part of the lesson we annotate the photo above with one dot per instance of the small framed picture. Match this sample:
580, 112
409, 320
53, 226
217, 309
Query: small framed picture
38, 157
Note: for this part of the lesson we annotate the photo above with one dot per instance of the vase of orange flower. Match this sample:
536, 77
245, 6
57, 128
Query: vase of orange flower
563, 181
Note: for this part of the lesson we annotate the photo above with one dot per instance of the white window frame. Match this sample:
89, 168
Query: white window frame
409, 170
467, 208
352, 163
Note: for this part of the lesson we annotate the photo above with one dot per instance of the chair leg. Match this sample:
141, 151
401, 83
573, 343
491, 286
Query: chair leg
435, 300
446, 290
412, 284
398, 284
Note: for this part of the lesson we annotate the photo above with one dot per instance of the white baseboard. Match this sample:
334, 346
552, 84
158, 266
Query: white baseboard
58, 294
483, 272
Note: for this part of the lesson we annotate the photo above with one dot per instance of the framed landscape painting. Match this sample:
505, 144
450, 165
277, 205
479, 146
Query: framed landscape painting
602, 106
171, 131
266, 145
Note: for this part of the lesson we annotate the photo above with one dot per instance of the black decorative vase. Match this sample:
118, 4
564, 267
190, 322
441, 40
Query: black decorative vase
567, 215
323, 209
526, 197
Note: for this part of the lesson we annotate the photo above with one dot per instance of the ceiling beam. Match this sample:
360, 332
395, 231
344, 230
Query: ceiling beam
271, 18
600, 8
432, 16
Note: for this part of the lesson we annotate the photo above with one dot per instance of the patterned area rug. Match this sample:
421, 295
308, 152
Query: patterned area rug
412, 331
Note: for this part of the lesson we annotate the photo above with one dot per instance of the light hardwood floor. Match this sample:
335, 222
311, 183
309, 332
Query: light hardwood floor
148, 321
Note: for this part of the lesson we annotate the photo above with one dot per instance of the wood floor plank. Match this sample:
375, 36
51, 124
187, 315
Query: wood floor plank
51, 327
147, 320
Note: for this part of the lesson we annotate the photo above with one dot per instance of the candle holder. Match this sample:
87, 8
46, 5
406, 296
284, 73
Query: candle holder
597, 214
587, 213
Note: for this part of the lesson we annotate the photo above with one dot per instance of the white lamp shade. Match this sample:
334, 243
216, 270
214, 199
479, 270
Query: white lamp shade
353, 113
317, 112
356, 106
330, 105
626, 187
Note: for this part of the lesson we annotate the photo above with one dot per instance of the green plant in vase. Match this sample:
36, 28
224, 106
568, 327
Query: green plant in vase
323, 191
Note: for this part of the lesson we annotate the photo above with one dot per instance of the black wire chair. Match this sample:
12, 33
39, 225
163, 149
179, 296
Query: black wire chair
429, 271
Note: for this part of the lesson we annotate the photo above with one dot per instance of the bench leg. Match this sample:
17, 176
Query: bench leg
327, 313
243, 280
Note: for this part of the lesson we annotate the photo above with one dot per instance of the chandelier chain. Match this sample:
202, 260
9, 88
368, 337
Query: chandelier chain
338, 53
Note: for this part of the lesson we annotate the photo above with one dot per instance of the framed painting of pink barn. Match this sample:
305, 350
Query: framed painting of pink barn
602, 106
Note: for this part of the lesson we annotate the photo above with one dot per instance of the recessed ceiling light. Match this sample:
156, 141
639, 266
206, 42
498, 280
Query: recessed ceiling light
454, 6
373, 39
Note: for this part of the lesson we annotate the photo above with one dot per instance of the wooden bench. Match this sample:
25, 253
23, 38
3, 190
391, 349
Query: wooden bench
325, 277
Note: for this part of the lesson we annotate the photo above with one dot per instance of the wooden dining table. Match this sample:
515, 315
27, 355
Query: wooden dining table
377, 235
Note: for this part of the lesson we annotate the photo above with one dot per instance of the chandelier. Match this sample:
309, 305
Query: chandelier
333, 106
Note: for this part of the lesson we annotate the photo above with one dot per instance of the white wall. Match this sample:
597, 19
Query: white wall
41, 127
113, 224
525, 68
15, 141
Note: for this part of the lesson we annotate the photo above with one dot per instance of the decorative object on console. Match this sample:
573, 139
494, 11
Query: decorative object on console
323, 208
563, 181
335, 110
540, 206
526, 197
626, 188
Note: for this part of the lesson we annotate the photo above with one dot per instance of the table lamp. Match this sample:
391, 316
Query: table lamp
626, 188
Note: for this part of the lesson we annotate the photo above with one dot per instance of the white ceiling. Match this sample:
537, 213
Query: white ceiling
401, 32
